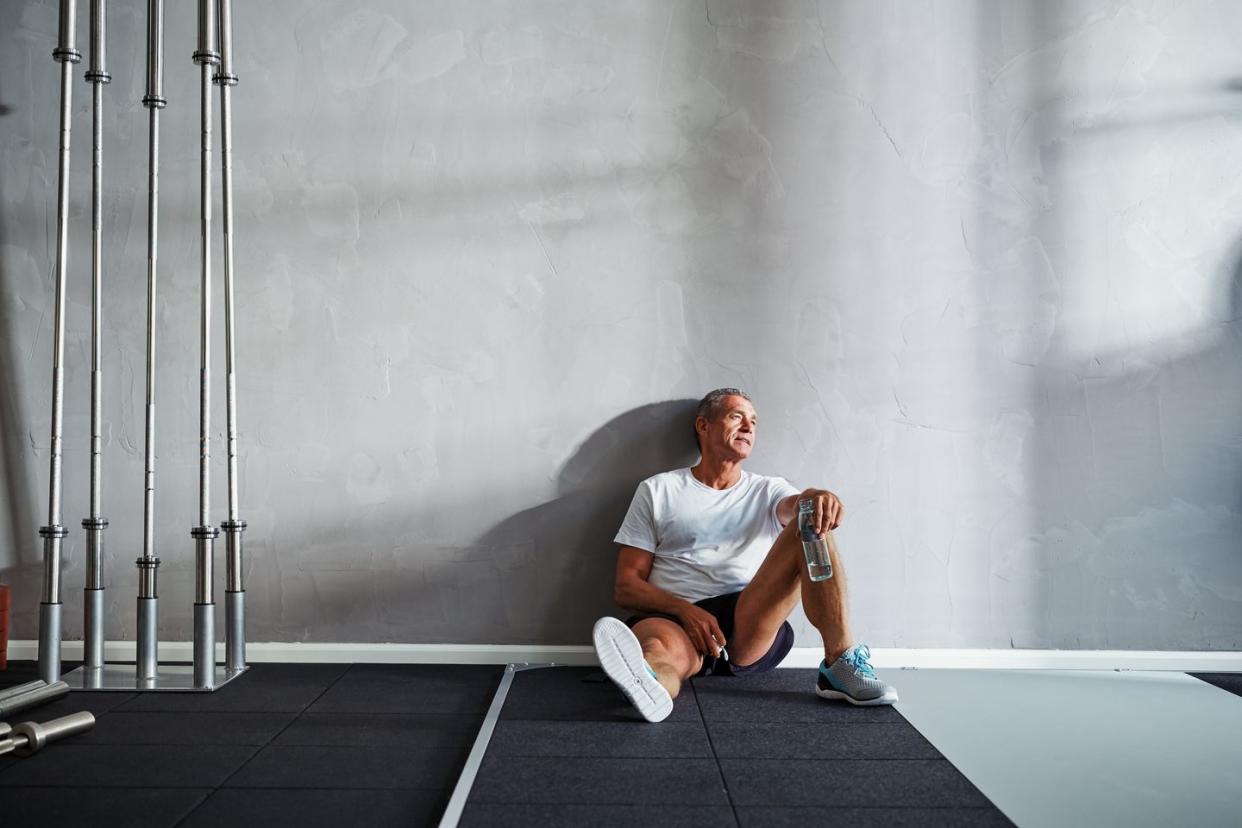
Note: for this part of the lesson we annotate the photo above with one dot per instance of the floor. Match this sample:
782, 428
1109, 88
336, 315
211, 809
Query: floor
1078, 747
285, 744
765, 751
384, 745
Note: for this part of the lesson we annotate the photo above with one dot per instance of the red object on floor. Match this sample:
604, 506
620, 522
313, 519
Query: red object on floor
4, 627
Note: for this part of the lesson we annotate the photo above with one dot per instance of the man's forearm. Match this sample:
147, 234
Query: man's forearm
640, 596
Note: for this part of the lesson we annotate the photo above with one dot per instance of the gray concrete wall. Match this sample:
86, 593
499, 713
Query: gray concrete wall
976, 262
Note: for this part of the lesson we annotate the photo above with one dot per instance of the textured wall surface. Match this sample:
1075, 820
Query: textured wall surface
977, 263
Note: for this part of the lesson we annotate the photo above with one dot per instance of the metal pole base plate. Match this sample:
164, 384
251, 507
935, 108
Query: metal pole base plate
169, 678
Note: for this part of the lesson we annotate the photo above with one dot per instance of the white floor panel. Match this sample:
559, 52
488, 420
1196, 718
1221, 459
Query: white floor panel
1061, 747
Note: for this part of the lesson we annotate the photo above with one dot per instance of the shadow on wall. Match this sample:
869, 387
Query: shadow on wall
1144, 553
541, 576
1137, 484
564, 548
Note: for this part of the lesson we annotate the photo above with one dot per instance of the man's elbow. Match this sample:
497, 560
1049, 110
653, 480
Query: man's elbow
622, 594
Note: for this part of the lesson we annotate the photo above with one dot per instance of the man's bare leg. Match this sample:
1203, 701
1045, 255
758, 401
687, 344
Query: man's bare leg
825, 603
649, 671
668, 650
769, 598
772, 594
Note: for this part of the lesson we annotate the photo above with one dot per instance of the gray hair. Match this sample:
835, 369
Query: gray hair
711, 405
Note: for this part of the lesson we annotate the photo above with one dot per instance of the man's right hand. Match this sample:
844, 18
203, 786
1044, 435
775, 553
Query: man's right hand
703, 630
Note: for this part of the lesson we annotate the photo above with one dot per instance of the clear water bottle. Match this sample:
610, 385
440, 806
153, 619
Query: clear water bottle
814, 546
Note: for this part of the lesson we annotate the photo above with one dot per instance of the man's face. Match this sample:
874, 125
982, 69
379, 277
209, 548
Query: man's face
732, 434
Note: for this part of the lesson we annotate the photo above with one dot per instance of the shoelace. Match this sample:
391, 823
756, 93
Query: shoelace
858, 658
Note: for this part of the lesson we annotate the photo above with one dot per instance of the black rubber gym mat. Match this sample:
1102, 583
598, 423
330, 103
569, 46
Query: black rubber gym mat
436, 690
1225, 681
481, 815
829, 740
380, 730
411, 766
54, 807
785, 696
881, 783
265, 688
634, 740
121, 727
569, 750
886, 817
71, 765
598, 779
327, 808
254, 745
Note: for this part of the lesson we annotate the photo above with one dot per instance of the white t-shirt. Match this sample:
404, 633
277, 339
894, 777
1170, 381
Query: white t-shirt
706, 541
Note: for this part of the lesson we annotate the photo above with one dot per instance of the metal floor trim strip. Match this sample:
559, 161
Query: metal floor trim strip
461, 791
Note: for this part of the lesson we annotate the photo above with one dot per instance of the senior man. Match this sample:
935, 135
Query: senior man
711, 563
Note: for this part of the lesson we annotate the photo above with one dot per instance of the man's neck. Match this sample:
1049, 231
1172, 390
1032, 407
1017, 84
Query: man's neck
717, 474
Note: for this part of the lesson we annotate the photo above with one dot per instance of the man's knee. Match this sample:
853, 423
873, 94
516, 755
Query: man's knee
764, 658
668, 643
656, 649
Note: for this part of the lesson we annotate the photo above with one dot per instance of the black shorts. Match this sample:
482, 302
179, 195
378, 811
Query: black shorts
723, 607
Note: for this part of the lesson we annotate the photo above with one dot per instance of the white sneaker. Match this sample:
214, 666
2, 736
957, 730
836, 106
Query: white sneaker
621, 656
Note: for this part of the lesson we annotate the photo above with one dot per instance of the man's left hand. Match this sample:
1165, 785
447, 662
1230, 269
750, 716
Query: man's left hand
829, 511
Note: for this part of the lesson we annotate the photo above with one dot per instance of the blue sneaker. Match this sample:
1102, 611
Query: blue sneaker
851, 678
621, 656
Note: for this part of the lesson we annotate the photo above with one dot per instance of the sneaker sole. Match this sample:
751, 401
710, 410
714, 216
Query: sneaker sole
621, 656
887, 698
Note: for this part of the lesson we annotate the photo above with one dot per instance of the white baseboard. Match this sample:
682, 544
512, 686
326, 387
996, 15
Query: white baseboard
888, 658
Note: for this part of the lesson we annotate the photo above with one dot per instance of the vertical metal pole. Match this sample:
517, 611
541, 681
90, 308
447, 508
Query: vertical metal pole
235, 591
93, 595
53, 533
205, 534
148, 564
